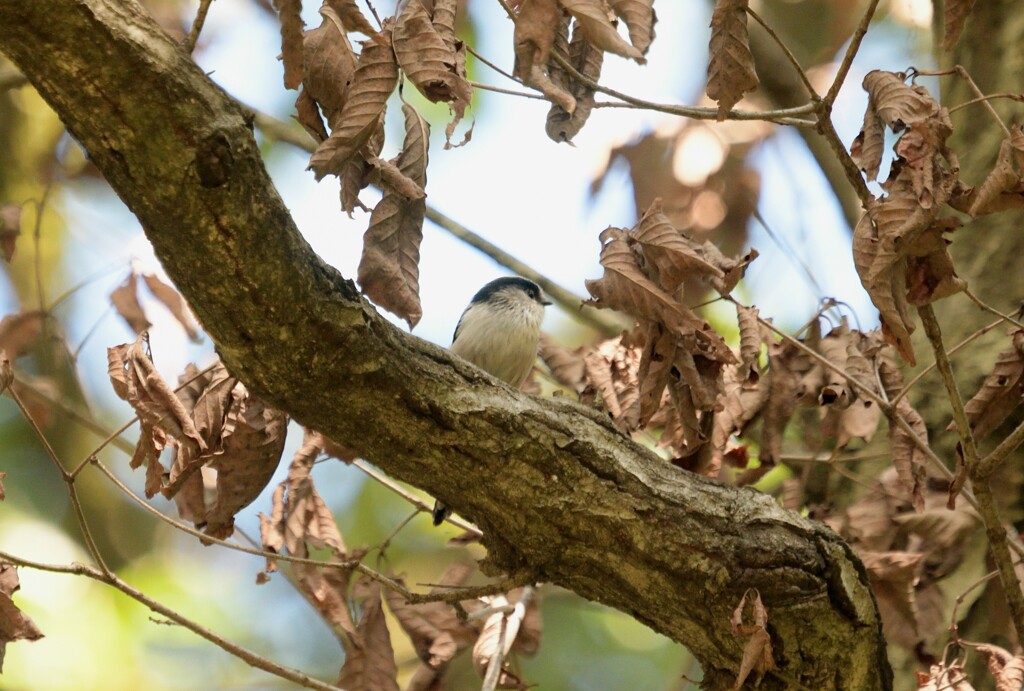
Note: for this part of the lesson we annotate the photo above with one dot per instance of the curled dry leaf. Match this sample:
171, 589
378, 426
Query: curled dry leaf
1001, 392
566, 364
750, 341
1007, 668
125, 299
15, 625
354, 20
640, 19
160, 412
374, 80
172, 299
731, 67
290, 14
562, 125
537, 25
625, 287
389, 268
329, 65
757, 653
886, 288
656, 362
10, 229
1004, 177
954, 17
444, 21
907, 456
781, 401
593, 19
430, 62
893, 576
496, 639
6, 372
358, 172
370, 664
612, 370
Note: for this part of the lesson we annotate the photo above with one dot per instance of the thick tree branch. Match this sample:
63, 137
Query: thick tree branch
556, 489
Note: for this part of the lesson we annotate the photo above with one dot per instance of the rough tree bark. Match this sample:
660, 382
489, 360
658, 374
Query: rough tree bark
559, 493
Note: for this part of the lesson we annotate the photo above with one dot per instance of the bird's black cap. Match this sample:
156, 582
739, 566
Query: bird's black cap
524, 284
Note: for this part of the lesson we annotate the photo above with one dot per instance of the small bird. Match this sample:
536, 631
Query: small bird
499, 332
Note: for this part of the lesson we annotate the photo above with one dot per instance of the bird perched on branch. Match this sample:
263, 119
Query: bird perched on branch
499, 332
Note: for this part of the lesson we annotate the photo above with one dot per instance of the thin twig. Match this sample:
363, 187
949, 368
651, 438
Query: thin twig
956, 401
988, 464
1019, 98
36, 236
953, 628
460, 593
509, 92
90, 543
244, 654
851, 52
952, 351
999, 546
992, 310
189, 44
490, 64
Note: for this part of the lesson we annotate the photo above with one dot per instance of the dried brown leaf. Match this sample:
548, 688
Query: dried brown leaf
1007, 668
328, 68
954, 17
389, 268
19, 332
537, 25
886, 287
656, 362
750, 341
10, 229
370, 665
566, 364
374, 80
593, 19
1000, 179
731, 67
907, 456
562, 125
307, 114
290, 14
444, 21
867, 149
674, 255
757, 653
125, 299
640, 19
781, 403
428, 61
893, 576
15, 625
354, 20
246, 457
1001, 392
930, 271
499, 633
625, 287
612, 369
172, 299
358, 172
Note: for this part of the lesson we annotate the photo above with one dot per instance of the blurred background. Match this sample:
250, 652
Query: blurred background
738, 184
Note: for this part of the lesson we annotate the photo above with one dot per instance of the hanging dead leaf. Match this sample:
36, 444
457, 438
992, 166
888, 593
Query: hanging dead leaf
358, 171
750, 342
370, 665
537, 24
893, 576
640, 19
1004, 176
1007, 668
374, 80
172, 299
161, 413
19, 332
868, 147
10, 229
757, 653
907, 456
625, 287
612, 370
3, 476
498, 635
954, 17
593, 19
731, 67
290, 14
443, 19
389, 268
886, 286
125, 299
1001, 392
566, 364
781, 402
430, 62
329, 65
587, 59
354, 20
15, 625
656, 362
